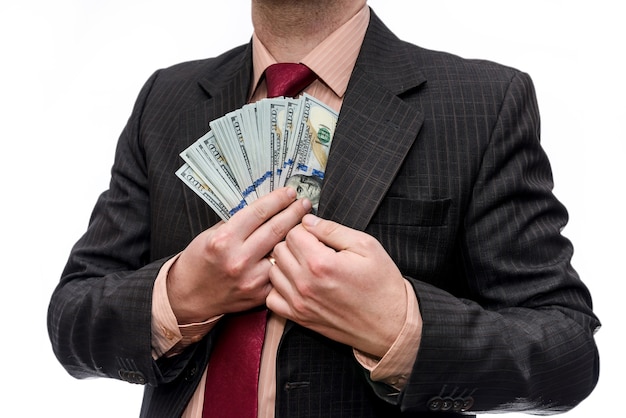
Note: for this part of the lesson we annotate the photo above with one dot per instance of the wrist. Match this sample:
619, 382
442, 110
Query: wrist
183, 298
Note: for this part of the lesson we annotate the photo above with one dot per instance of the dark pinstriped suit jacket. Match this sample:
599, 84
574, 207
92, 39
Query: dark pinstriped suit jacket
435, 156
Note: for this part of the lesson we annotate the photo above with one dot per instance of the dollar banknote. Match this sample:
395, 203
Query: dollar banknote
263, 146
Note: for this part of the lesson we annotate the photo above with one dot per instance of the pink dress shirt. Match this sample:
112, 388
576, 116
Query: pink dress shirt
333, 61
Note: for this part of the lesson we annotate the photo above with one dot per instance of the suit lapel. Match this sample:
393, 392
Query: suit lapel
226, 88
375, 130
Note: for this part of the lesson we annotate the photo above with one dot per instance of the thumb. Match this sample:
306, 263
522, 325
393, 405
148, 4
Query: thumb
330, 233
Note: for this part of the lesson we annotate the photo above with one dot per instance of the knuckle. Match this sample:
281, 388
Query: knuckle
234, 268
299, 308
246, 287
260, 211
279, 230
330, 227
220, 242
290, 234
319, 267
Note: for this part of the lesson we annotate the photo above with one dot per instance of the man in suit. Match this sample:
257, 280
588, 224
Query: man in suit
434, 280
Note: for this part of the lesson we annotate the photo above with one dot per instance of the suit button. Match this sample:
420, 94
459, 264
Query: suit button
139, 378
447, 403
132, 377
457, 405
467, 404
434, 404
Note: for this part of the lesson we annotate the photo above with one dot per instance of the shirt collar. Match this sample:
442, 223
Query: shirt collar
332, 60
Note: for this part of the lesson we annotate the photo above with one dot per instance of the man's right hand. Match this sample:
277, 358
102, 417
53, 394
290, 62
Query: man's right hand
224, 269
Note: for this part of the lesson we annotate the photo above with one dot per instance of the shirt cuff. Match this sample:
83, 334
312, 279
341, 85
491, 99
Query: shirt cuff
168, 336
396, 365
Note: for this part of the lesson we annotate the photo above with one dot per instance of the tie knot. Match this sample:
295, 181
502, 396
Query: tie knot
287, 79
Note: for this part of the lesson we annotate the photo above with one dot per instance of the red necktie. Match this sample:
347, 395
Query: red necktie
233, 372
287, 79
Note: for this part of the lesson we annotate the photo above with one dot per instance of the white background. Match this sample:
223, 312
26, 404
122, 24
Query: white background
70, 72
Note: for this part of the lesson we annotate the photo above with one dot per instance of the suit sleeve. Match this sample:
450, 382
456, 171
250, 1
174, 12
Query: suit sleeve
524, 338
100, 313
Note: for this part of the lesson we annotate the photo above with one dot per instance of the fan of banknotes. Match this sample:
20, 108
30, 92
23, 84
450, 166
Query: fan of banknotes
262, 146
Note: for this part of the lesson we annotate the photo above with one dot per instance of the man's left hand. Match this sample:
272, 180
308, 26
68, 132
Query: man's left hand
338, 282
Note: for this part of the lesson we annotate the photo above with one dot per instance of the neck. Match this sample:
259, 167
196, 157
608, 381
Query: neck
290, 29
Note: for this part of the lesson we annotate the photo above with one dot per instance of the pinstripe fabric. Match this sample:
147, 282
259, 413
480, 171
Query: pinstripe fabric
435, 156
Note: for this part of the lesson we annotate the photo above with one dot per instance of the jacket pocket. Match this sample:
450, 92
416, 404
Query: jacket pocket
411, 212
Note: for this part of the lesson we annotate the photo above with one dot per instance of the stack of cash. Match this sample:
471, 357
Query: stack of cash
262, 146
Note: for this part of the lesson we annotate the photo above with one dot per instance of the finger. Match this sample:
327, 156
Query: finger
248, 219
262, 240
283, 262
332, 234
282, 287
303, 246
277, 304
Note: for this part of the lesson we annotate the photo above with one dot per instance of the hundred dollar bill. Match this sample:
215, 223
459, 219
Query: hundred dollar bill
230, 138
307, 160
270, 134
286, 119
191, 179
207, 161
258, 147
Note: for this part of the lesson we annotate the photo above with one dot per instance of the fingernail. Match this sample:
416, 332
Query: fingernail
306, 204
310, 220
291, 192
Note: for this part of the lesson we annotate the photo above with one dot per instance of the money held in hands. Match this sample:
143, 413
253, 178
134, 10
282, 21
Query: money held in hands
263, 146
